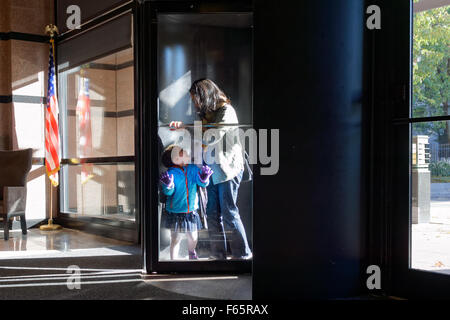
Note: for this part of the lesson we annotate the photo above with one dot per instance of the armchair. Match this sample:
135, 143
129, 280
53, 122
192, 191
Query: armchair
14, 169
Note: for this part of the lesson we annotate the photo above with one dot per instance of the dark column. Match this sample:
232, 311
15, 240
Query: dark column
308, 221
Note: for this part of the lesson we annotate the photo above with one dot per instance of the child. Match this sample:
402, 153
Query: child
179, 183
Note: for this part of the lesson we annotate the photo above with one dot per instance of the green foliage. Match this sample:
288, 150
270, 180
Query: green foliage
429, 128
431, 66
440, 169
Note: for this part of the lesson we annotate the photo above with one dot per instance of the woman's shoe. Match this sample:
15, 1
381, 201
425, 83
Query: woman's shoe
193, 255
217, 257
246, 257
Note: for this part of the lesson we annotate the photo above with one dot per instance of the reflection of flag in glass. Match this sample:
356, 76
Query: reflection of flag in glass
84, 118
52, 155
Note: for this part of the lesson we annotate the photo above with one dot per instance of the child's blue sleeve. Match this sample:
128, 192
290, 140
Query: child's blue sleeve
168, 191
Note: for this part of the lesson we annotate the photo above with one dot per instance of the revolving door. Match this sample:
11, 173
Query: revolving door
181, 44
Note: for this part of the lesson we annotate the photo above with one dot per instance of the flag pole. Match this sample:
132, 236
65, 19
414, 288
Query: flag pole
82, 74
50, 226
51, 30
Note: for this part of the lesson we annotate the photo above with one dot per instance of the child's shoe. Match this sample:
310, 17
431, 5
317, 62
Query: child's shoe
193, 255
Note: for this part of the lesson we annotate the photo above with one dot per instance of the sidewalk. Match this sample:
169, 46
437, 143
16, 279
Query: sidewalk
431, 241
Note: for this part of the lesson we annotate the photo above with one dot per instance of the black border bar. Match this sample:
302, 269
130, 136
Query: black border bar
98, 21
423, 119
23, 99
98, 160
108, 114
24, 37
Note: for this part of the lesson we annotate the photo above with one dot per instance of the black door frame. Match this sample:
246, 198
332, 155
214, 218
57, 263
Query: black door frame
146, 166
393, 96
130, 231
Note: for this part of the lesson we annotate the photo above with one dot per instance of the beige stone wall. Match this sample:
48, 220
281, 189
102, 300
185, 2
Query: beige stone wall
30, 16
5, 79
125, 136
5, 126
125, 101
5, 10
111, 92
29, 78
102, 93
97, 194
23, 69
5, 67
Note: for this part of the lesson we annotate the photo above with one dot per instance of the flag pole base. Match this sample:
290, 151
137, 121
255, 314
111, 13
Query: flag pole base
50, 226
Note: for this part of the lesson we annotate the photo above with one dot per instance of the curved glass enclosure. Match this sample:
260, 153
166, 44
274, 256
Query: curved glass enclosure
216, 46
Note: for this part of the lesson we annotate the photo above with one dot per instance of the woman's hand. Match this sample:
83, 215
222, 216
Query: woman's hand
167, 179
175, 125
205, 173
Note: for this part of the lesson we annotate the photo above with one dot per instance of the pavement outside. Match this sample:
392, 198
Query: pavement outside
431, 241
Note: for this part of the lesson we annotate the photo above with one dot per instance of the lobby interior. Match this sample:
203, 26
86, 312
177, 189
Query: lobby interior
355, 173
100, 230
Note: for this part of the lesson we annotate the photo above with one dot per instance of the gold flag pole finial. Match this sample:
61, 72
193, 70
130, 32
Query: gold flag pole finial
51, 30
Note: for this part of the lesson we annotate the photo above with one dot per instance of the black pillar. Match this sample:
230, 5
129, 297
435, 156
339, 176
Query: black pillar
308, 219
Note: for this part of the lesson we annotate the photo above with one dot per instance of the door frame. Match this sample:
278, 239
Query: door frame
146, 164
393, 96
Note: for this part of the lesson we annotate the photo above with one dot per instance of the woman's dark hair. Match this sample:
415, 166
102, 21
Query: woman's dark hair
208, 96
166, 157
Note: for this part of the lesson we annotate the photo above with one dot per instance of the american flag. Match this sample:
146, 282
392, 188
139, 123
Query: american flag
84, 118
52, 153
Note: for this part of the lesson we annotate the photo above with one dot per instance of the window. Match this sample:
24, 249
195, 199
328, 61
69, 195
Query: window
97, 122
430, 128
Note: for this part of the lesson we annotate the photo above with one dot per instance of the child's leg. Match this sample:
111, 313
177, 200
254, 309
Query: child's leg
192, 238
174, 245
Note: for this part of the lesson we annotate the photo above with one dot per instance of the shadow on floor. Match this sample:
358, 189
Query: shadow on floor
35, 266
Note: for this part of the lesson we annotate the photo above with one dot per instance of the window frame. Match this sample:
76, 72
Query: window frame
403, 281
120, 229
149, 128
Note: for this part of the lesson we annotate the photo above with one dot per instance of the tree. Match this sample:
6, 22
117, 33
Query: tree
431, 67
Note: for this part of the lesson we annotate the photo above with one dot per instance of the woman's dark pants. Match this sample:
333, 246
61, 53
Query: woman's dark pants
224, 221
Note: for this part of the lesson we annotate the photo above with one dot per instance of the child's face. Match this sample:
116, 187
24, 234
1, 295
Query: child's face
180, 157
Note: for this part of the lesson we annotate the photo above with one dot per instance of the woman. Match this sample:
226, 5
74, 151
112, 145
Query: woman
214, 107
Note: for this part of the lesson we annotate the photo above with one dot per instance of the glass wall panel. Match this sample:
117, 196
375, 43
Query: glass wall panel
431, 62
97, 125
430, 229
430, 175
110, 90
192, 47
109, 193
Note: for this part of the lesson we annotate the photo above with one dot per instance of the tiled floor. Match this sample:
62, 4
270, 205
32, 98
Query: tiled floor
110, 269
60, 243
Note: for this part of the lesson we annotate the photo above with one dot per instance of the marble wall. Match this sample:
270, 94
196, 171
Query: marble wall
23, 82
23, 85
30, 16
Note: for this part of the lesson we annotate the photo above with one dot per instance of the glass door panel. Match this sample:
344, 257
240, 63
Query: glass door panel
430, 220
216, 46
430, 149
